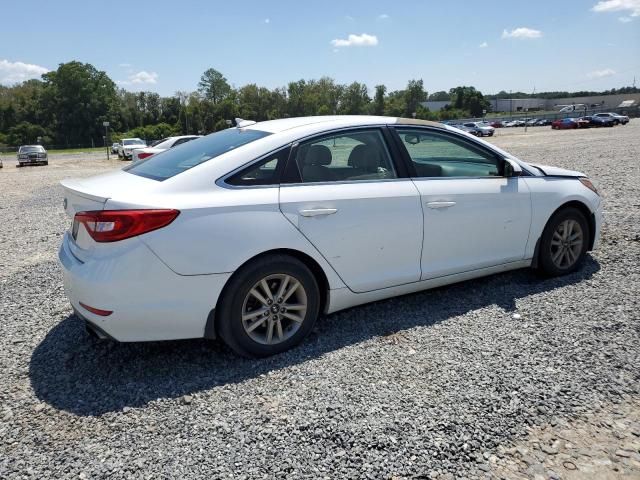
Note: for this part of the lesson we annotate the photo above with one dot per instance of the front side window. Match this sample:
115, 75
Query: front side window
435, 154
177, 160
352, 156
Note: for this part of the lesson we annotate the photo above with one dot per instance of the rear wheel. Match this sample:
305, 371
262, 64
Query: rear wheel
564, 242
269, 306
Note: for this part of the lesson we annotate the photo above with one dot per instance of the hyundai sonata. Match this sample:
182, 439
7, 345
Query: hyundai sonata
249, 234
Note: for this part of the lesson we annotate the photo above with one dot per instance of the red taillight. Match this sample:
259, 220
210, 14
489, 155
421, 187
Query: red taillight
143, 155
114, 225
96, 311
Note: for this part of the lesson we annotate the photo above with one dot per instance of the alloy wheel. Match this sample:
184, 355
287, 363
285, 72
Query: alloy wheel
274, 309
566, 244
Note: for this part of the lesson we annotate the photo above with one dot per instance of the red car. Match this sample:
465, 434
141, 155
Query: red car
564, 123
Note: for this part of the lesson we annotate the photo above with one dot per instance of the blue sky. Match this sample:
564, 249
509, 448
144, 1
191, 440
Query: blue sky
165, 46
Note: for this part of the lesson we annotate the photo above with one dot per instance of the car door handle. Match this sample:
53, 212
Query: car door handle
315, 212
440, 204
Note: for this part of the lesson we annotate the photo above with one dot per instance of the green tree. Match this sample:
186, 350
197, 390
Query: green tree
79, 98
414, 96
441, 96
355, 99
469, 99
214, 86
378, 100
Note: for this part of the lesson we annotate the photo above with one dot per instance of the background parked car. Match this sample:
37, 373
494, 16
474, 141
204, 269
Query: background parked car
543, 122
114, 148
598, 121
480, 129
582, 123
128, 145
32, 155
496, 124
161, 146
564, 123
617, 119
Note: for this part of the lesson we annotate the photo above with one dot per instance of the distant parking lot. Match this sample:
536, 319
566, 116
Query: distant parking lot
471, 380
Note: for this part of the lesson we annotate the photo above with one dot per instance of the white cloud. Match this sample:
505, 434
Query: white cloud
267, 20
522, 32
483, 45
16, 72
632, 6
144, 77
349, 18
383, 16
625, 19
140, 78
353, 40
607, 72
124, 65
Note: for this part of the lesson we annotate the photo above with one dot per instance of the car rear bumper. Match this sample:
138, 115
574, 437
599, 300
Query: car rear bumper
148, 300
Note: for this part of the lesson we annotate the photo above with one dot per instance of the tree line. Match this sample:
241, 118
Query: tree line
69, 105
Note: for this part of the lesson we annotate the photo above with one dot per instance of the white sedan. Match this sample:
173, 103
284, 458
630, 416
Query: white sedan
161, 146
127, 145
249, 234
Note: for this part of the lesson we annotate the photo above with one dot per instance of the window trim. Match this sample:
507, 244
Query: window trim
291, 174
446, 133
222, 181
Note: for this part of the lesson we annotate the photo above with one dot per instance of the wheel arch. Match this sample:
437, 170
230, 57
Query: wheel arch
319, 274
588, 215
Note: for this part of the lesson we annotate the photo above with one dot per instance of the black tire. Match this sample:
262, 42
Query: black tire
229, 311
545, 262
46, 163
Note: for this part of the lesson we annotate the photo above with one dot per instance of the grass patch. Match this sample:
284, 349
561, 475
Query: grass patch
79, 150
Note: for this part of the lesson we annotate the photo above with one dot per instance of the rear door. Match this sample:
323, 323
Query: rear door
474, 217
355, 205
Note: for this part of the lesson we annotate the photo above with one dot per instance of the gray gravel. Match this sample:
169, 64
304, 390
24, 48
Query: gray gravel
424, 386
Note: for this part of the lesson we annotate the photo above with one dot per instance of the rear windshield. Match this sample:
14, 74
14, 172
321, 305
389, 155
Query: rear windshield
172, 162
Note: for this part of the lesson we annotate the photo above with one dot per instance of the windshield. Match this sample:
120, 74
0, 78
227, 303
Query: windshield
30, 149
177, 160
133, 141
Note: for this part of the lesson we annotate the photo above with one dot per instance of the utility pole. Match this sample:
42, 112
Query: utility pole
510, 105
106, 137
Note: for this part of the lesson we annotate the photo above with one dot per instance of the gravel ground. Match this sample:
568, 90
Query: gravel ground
447, 383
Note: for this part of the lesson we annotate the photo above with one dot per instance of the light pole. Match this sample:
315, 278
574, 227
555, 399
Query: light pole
106, 137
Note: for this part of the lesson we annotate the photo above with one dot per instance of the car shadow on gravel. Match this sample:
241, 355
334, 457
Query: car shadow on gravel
73, 372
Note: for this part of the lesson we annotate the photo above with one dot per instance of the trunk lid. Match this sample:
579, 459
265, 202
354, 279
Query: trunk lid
86, 194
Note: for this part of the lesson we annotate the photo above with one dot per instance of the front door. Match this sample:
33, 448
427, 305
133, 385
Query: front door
474, 217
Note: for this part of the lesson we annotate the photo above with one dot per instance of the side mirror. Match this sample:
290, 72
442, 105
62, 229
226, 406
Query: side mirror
511, 168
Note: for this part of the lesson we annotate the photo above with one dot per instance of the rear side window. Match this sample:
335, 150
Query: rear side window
174, 161
350, 156
265, 172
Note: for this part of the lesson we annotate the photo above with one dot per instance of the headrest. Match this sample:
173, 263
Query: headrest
318, 155
366, 157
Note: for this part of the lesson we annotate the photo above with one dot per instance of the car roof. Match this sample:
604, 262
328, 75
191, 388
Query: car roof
321, 123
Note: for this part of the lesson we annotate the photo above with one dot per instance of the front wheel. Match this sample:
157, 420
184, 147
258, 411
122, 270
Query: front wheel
269, 306
564, 242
